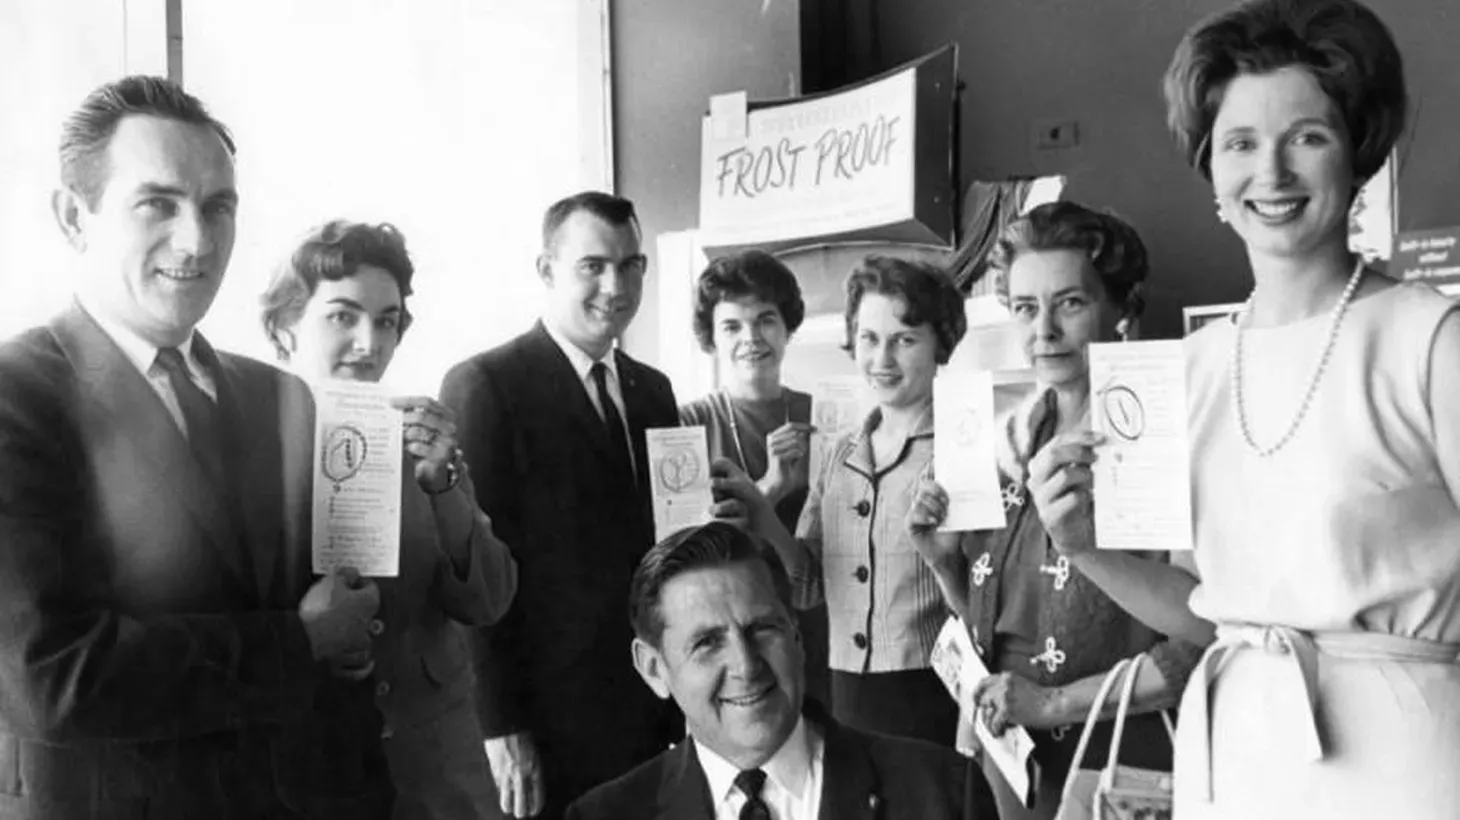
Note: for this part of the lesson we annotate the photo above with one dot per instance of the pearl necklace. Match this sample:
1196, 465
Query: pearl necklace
1337, 314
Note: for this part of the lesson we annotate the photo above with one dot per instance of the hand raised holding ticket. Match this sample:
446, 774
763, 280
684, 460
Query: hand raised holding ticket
737, 498
788, 456
430, 439
927, 512
1061, 485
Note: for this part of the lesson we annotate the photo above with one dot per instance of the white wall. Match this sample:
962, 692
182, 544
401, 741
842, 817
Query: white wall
52, 53
457, 120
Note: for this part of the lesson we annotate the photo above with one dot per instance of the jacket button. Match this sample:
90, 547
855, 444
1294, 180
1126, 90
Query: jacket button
860, 640
382, 689
377, 626
862, 574
863, 508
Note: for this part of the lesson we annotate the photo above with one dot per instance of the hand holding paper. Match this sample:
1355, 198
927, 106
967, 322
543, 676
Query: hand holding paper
957, 663
1059, 485
924, 519
430, 439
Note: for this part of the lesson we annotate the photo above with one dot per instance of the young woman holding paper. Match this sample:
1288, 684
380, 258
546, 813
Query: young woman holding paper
747, 307
903, 320
1069, 276
336, 310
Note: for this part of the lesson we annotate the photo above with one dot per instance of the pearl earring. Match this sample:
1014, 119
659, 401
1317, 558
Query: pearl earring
1221, 217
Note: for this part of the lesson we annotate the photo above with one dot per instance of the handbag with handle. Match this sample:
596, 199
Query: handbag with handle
1117, 792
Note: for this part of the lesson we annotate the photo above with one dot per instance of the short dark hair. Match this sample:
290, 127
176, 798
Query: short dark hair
1115, 250
333, 251
87, 131
615, 210
715, 544
1345, 46
927, 291
755, 274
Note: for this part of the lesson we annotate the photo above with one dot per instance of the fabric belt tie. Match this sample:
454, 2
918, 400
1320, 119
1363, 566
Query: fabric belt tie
1301, 649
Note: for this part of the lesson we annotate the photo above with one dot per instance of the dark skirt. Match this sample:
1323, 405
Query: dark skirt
910, 703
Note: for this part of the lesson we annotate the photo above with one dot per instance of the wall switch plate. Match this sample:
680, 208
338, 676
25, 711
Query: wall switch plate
1054, 135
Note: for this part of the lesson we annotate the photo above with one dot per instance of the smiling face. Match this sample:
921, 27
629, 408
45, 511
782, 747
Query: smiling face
350, 327
731, 658
898, 360
1058, 300
161, 234
594, 273
750, 339
1281, 163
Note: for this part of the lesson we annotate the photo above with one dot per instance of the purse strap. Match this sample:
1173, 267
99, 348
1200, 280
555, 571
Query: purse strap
1128, 687
1093, 718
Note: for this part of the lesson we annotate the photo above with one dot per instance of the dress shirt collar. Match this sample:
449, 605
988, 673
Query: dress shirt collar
582, 362
789, 768
137, 350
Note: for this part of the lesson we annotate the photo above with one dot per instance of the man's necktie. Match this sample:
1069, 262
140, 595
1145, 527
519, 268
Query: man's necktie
200, 414
751, 782
618, 440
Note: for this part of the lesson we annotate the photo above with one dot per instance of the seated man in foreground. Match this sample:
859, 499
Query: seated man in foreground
714, 629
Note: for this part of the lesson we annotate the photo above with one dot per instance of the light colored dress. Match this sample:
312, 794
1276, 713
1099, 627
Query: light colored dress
1333, 571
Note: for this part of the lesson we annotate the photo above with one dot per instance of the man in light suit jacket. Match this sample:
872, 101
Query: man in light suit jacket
552, 424
163, 652
714, 630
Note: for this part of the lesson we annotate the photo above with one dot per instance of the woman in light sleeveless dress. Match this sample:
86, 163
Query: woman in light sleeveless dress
1326, 444
1325, 426
1325, 421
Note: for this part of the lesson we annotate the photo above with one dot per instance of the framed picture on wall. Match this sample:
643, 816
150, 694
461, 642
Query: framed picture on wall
1192, 318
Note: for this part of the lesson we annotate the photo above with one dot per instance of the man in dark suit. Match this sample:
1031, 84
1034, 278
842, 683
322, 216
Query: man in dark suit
553, 424
714, 630
163, 653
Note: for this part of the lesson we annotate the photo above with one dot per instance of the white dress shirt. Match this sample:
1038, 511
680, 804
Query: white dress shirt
143, 356
583, 366
792, 788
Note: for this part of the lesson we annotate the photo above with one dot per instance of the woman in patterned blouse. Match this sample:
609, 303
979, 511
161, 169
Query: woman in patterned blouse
1069, 276
851, 548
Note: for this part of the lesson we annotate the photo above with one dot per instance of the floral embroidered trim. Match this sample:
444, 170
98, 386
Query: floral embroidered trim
1012, 495
1060, 569
1051, 657
982, 569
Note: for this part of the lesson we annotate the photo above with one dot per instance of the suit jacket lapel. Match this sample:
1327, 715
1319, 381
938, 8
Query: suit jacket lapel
169, 468
560, 383
255, 474
849, 784
636, 409
684, 794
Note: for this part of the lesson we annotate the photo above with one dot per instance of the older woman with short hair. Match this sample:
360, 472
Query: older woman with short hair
1069, 276
336, 309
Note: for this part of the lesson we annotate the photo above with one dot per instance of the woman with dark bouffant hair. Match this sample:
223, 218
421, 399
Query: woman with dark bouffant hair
1325, 449
336, 309
1069, 276
747, 307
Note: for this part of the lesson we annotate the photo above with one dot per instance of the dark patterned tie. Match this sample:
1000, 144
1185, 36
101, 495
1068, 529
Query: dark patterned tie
618, 440
200, 414
751, 782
